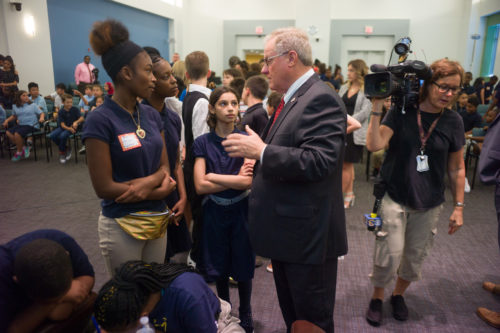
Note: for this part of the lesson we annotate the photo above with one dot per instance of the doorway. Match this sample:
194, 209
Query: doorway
371, 49
250, 48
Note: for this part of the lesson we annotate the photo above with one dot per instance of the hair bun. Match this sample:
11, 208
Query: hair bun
106, 34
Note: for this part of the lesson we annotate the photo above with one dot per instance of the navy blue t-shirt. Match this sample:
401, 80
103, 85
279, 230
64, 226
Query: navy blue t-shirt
471, 120
405, 185
209, 146
131, 156
187, 305
68, 117
172, 127
12, 298
488, 90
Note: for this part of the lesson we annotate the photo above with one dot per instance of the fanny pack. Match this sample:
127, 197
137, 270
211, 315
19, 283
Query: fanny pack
146, 225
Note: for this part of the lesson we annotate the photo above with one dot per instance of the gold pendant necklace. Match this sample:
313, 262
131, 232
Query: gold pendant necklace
140, 132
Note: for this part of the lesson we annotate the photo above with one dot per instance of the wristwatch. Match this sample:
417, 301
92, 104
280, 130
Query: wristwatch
459, 204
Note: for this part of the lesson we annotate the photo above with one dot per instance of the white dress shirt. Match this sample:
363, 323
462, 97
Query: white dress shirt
200, 111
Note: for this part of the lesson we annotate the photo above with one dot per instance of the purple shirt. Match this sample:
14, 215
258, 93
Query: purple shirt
12, 298
131, 157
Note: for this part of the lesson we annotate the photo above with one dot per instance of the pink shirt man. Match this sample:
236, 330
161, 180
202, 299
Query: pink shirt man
83, 71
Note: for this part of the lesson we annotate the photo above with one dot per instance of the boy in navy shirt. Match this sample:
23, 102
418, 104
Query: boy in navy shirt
173, 296
254, 92
470, 117
69, 118
44, 275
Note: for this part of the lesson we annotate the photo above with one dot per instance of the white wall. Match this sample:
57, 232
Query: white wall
439, 27
203, 24
477, 24
3, 33
311, 17
32, 55
436, 26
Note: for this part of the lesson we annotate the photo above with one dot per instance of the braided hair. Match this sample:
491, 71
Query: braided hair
122, 299
153, 53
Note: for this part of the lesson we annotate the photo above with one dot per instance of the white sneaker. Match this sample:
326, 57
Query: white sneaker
68, 154
467, 186
62, 159
190, 261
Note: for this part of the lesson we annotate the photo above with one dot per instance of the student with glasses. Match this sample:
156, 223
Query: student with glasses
424, 143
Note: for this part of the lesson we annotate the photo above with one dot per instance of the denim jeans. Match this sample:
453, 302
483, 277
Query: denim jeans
60, 137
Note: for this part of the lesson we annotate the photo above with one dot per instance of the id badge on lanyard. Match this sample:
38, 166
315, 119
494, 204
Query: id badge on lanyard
422, 158
422, 162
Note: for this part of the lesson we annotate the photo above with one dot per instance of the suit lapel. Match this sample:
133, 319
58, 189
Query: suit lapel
288, 107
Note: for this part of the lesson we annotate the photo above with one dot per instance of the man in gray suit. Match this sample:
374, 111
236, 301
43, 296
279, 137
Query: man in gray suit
296, 213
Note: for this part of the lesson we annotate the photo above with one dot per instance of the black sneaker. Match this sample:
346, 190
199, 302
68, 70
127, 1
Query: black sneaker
399, 309
374, 312
246, 321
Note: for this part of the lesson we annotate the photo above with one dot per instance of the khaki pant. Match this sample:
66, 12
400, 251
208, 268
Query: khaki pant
410, 236
227, 323
117, 246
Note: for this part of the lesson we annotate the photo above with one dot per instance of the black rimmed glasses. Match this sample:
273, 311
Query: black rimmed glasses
269, 60
443, 88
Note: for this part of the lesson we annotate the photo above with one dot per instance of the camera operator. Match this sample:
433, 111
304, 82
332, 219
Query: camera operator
423, 144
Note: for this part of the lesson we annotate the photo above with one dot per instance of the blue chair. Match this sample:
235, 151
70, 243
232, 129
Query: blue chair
482, 108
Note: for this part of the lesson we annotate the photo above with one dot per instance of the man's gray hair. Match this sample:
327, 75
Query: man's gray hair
291, 38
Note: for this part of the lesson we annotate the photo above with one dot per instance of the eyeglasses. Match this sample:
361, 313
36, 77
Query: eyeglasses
269, 60
443, 88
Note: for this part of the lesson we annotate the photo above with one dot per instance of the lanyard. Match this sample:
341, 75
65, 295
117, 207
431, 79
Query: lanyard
423, 136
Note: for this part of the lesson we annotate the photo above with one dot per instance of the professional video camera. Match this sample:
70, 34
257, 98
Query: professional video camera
401, 81
95, 71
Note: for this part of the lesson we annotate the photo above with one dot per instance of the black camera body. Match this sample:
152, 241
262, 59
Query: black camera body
401, 81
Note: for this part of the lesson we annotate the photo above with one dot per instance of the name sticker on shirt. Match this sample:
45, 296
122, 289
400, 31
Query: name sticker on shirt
129, 141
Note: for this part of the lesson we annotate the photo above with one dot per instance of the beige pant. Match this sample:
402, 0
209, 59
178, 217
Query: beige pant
410, 236
117, 246
227, 323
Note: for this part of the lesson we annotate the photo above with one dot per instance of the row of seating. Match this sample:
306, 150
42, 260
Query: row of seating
41, 137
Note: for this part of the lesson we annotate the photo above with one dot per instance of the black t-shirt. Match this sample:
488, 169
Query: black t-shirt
405, 185
471, 120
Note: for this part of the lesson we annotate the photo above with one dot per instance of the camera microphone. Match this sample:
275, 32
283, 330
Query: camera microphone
373, 221
376, 68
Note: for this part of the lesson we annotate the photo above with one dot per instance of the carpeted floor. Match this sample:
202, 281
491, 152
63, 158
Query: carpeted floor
49, 195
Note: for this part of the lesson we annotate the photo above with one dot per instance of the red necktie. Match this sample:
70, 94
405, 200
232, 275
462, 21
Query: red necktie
277, 113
